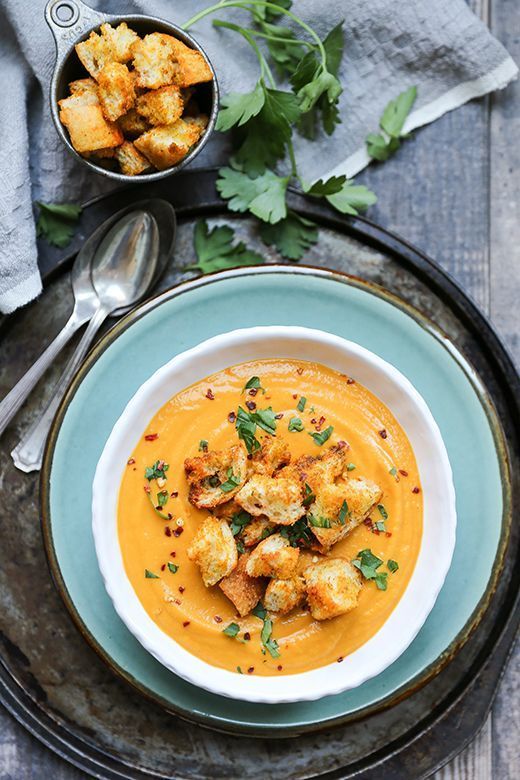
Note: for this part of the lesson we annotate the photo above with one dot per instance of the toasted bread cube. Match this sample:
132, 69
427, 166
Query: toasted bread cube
101, 154
317, 470
130, 160
89, 130
161, 106
115, 90
357, 493
280, 500
244, 591
121, 40
274, 557
82, 86
79, 98
207, 473
166, 146
258, 529
193, 68
95, 53
154, 60
133, 124
274, 453
282, 596
214, 551
333, 586
200, 122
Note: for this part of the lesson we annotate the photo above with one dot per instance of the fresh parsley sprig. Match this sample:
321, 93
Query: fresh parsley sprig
381, 146
57, 222
216, 251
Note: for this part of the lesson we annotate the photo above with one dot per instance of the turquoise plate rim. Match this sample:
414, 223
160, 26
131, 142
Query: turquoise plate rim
430, 671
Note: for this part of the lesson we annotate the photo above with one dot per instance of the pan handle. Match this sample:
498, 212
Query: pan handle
68, 20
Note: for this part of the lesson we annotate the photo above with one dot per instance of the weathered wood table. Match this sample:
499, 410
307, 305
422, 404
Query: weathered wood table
454, 191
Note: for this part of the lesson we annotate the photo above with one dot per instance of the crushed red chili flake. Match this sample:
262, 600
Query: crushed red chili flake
178, 531
168, 531
134, 469
130, 462
170, 516
415, 490
383, 433
217, 619
210, 394
299, 370
253, 391
177, 601
250, 457
174, 494
151, 436
161, 464
278, 416
247, 636
340, 659
163, 567
146, 489
173, 553
342, 444
279, 667
314, 421
186, 623
181, 589
232, 417
322, 420
250, 405
388, 534
403, 473
267, 397
295, 395
351, 381
251, 670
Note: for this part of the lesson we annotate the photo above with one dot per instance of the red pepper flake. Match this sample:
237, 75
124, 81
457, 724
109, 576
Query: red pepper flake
342, 444
351, 381
403, 473
388, 534
295, 395
314, 421
415, 490
163, 567
250, 457
170, 516
168, 531
217, 619
247, 636
278, 416
251, 670
146, 489
383, 433
253, 391
210, 394
174, 494
279, 667
267, 397
186, 623
134, 469
181, 589
173, 553
322, 420
130, 462
178, 531
231, 417
250, 405
161, 464
176, 601
340, 659
299, 370
367, 521
151, 436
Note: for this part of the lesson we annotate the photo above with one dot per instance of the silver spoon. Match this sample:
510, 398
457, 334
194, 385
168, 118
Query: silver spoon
123, 268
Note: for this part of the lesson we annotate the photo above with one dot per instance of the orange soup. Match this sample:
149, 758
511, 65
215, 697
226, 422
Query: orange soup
169, 585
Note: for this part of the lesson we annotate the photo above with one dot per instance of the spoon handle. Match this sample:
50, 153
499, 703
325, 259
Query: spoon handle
20, 392
28, 454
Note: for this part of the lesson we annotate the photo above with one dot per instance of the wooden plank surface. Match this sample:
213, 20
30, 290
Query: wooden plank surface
454, 190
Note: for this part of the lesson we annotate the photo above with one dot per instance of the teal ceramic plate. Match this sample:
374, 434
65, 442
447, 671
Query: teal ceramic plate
277, 295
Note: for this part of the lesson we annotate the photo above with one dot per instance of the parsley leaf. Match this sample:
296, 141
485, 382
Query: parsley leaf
157, 471
351, 466
238, 108
295, 424
232, 482
291, 236
268, 642
392, 565
367, 563
215, 249
301, 404
259, 611
265, 419
321, 188
352, 198
382, 511
238, 521
298, 534
231, 630
150, 575
253, 384
343, 513
264, 196
309, 495
162, 498
203, 445
321, 437
381, 146
57, 222
246, 429
173, 567
319, 522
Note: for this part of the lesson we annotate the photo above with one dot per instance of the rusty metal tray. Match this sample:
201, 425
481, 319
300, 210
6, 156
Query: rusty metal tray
55, 685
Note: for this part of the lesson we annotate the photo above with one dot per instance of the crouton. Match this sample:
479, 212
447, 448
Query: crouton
216, 476
130, 160
227, 511
343, 505
274, 557
279, 499
133, 124
161, 106
316, 471
214, 551
200, 122
193, 68
78, 99
333, 586
166, 146
273, 454
115, 90
154, 60
81, 86
258, 529
284, 595
95, 53
88, 128
101, 154
242, 590
120, 39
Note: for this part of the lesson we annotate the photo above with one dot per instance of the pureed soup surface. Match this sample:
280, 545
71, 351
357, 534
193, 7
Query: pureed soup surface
178, 601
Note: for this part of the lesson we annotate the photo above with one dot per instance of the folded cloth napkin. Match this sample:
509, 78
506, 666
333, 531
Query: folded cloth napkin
441, 47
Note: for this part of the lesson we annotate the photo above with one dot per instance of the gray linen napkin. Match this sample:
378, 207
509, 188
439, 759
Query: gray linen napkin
438, 45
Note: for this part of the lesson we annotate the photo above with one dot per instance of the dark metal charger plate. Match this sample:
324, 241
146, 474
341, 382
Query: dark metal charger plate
50, 679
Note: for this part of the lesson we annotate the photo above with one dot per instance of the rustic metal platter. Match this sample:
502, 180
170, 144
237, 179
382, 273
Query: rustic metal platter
57, 687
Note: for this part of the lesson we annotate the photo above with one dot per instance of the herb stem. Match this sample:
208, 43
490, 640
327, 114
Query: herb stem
245, 33
294, 168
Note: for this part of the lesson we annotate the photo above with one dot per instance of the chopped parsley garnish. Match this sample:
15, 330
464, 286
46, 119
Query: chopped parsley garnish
321, 437
319, 522
393, 471
382, 511
240, 547
392, 565
265, 419
57, 222
267, 532
238, 521
380, 525
309, 495
239, 670
247, 423
214, 481
368, 564
157, 471
351, 467
253, 383
231, 630
162, 497
232, 482
157, 506
301, 404
259, 611
343, 513
270, 644
203, 445
150, 575
295, 424
173, 567
298, 534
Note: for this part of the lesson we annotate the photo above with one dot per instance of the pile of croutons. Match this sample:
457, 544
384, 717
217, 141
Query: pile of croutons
271, 508
139, 105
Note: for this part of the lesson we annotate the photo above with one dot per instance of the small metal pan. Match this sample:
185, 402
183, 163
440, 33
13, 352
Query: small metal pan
71, 21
